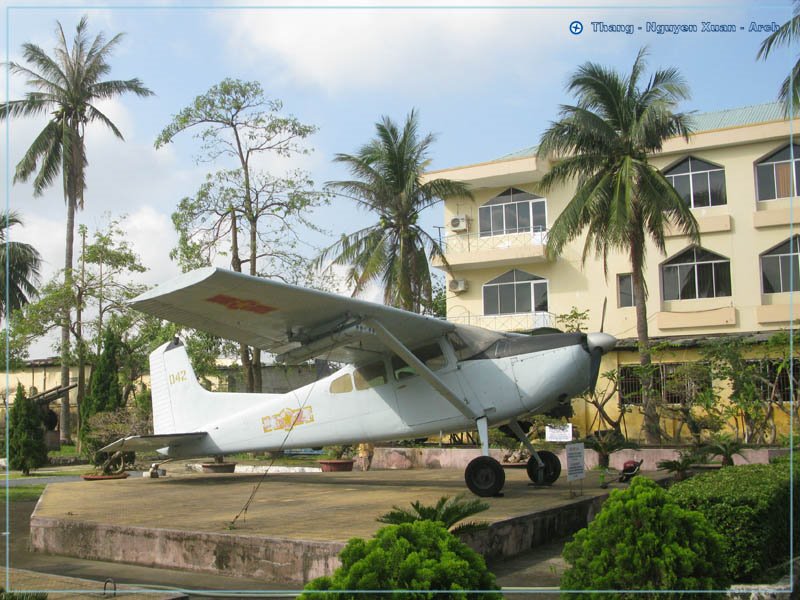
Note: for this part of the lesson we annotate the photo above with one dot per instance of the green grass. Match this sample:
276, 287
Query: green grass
22, 493
61, 472
66, 451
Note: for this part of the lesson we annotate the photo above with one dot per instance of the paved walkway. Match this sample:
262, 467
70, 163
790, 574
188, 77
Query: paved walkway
58, 587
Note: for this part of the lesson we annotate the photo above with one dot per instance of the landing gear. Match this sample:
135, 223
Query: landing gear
548, 474
484, 476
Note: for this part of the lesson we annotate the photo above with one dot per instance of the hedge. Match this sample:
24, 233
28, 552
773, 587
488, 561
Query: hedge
749, 506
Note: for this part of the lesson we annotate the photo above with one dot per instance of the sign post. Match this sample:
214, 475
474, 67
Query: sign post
558, 433
575, 465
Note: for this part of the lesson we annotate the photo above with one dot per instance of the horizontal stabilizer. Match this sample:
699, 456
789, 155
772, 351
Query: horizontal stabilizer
153, 442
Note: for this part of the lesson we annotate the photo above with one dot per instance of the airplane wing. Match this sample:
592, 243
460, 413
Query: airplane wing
152, 442
293, 322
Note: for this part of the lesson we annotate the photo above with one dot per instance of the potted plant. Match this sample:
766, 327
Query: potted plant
605, 443
340, 458
725, 446
680, 466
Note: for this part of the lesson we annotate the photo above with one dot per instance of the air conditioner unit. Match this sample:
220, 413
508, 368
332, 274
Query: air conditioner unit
459, 223
458, 285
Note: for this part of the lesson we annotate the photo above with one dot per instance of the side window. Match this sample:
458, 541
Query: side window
431, 355
624, 290
342, 384
370, 376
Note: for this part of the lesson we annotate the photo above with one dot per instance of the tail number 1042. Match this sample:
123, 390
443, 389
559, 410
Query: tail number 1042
177, 377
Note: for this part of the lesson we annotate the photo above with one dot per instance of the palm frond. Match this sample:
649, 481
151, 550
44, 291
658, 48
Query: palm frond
786, 35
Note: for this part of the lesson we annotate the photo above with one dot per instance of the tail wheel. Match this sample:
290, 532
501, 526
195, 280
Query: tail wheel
484, 476
551, 471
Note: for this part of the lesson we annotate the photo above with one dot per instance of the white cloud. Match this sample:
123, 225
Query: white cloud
151, 235
339, 50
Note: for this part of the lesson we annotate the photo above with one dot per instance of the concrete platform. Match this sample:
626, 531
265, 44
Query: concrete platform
295, 524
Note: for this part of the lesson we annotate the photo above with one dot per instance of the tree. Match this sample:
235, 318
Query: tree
26, 448
67, 86
620, 200
644, 540
389, 182
787, 35
22, 262
104, 393
238, 122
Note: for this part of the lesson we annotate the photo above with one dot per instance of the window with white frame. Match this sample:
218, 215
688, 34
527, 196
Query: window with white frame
513, 211
696, 273
624, 290
779, 267
515, 292
698, 182
776, 174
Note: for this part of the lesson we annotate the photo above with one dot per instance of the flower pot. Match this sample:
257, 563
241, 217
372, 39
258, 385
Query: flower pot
338, 465
93, 477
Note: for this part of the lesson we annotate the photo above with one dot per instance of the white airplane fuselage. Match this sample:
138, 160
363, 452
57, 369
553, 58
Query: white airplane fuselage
326, 412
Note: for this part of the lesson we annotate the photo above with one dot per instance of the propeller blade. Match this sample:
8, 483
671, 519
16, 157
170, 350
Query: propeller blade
603, 314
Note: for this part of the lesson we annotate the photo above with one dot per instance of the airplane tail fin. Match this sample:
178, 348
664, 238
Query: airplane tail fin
178, 398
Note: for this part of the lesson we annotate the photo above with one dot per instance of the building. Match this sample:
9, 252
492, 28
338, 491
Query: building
736, 172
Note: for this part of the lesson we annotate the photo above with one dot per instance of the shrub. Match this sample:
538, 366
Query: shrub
447, 511
106, 427
26, 447
749, 506
421, 556
643, 540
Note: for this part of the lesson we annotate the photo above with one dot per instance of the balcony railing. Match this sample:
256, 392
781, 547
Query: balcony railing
517, 322
474, 242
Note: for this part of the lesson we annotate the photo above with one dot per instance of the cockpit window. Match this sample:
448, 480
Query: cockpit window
469, 341
370, 376
342, 384
430, 354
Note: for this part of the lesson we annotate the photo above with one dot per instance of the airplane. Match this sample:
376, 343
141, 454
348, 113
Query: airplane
406, 375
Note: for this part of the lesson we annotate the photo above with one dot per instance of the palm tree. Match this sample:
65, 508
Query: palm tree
67, 84
788, 35
21, 261
388, 172
602, 143
448, 511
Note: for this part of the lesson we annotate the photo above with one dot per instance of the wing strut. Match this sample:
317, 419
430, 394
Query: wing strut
422, 369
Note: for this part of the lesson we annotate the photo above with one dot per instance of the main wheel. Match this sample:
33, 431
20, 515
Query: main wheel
551, 471
484, 476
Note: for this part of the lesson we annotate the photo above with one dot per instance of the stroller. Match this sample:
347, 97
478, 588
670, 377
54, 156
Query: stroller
629, 470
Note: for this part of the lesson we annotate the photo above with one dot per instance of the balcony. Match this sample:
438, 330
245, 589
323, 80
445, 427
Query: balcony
516, 322
465, 251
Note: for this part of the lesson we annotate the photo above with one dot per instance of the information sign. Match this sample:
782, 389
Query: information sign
575, 463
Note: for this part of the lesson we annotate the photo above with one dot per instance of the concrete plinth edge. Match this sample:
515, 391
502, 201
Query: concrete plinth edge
273, 559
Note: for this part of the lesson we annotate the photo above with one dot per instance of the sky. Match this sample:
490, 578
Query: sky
486, 79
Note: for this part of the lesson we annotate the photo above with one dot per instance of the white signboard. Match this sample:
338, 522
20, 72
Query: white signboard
558, 433
575, 465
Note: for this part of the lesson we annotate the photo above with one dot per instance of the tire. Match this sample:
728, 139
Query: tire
552, 468
484, 476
